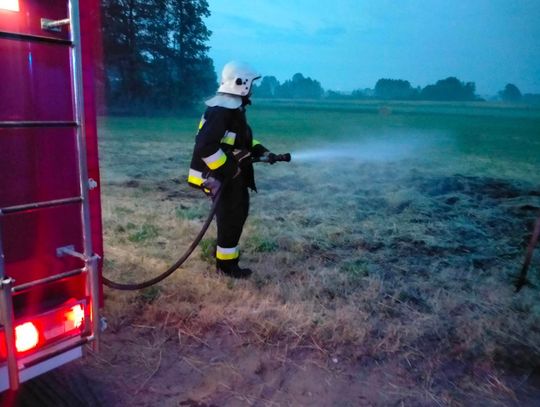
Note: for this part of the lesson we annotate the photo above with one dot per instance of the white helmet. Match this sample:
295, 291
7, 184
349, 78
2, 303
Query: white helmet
237, 78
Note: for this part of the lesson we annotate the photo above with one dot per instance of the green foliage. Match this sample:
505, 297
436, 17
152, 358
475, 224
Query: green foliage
191, 212
361, 93
449, 89
208, 250
146, 232
395, 89
156, 53
267, 88
299, 87
511, 93
120, 210
262, 244
355, 269
333, 95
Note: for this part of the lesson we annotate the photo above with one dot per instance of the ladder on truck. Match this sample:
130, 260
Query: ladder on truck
49, 274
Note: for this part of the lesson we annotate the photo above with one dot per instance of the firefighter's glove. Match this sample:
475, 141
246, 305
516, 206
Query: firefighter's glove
211, 187
270, 158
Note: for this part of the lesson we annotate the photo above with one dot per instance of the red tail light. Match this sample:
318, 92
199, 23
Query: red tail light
74, 317
48, 328
10, 5
26, 337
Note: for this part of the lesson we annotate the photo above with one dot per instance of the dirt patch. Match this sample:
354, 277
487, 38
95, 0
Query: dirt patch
139, 367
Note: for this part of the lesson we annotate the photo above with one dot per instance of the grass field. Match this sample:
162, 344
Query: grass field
391, 240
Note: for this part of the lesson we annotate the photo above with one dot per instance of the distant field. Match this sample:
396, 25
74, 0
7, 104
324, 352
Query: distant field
483, 138
395, 231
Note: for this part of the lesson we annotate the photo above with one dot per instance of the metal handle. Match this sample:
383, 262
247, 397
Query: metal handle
54, 25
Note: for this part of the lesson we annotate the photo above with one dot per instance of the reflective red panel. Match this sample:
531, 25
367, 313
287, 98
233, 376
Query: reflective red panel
35, 82
41, 163
31, 239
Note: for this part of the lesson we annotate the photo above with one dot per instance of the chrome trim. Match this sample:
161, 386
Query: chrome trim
40, 124
40, 205
54, 25
6, 317
69, 250
91, 261
47, 280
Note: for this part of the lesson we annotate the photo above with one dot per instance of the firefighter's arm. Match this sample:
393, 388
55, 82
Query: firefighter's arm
208, 145
257, 149
261, 153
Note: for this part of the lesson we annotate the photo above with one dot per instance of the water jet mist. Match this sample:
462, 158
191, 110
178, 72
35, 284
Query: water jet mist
369, 151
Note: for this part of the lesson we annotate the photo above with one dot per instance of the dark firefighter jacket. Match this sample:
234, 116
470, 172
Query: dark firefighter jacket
221, 131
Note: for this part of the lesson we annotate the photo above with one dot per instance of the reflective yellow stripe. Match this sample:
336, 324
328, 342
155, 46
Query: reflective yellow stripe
195, 181
216, 160
255, 142
195, 177
201, 123
223, 253
229, 138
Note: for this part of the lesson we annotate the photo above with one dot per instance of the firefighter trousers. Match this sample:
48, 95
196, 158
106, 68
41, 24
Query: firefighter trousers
231, 214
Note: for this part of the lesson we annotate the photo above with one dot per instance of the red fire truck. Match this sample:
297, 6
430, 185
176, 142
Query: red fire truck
50, 221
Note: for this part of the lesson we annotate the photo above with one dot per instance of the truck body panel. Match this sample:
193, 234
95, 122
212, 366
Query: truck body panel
50, 213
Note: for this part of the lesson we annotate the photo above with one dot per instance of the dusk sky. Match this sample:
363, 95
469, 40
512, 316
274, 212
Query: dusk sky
349, 44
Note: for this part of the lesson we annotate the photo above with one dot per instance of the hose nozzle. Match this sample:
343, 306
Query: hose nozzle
273, 158
283, 157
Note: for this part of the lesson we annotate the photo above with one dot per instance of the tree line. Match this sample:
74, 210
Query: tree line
156, 52
300, 87
448, 89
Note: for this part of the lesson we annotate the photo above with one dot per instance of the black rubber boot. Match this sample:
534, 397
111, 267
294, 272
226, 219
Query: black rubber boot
232, 269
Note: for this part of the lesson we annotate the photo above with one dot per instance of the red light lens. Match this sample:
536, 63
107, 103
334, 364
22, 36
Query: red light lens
74, 317
10, 5
26, 337
61, 323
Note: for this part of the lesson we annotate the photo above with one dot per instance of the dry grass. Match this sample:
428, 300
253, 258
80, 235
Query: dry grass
408, 259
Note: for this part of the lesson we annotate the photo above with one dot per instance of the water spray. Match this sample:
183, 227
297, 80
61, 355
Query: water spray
380, 150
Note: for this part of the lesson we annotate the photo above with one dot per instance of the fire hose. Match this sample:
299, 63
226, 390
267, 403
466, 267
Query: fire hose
145, 284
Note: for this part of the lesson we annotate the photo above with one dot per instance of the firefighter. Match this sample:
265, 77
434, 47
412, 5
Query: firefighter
222, 158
